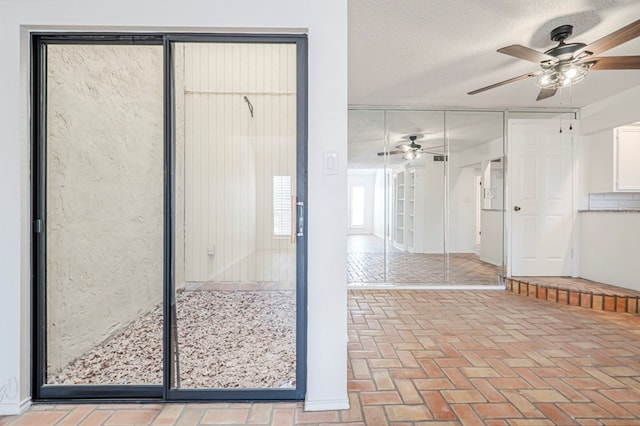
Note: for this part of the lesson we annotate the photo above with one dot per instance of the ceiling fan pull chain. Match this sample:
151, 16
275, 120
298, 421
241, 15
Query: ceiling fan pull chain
561, 99
571, 106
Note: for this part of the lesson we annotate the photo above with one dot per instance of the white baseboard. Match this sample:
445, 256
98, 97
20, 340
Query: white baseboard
327, 405
14, 409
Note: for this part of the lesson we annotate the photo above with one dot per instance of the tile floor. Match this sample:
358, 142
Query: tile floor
368, 264
420, 268
446, 358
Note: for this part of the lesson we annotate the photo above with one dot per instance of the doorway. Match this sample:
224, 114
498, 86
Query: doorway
170, 222
542, 199
424, 167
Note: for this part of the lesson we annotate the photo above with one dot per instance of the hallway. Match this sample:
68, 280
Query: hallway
446, 358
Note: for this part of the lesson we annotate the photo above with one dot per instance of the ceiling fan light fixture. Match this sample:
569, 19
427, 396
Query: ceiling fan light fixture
562, 75
410, 155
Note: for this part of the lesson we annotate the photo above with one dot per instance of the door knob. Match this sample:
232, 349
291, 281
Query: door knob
516, 209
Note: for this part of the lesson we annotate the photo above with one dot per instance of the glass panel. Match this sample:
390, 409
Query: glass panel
367, 243
475, 230
440, 225
417, 171
235, 265
104, 214
357, 206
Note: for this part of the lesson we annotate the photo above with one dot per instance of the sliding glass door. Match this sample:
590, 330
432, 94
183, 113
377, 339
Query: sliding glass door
100, 218
169, 216
239, 219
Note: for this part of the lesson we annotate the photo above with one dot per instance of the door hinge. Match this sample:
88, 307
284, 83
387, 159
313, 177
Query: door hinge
37, 226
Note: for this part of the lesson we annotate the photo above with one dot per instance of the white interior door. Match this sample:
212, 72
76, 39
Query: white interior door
541, 198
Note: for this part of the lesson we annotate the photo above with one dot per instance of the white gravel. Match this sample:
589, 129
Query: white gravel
226, 339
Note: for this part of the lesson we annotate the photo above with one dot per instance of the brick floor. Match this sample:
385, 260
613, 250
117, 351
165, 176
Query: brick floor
443, 357
577, 292
420, 268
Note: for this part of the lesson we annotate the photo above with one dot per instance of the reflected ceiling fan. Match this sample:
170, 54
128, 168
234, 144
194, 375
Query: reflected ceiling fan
411, 150
567, 63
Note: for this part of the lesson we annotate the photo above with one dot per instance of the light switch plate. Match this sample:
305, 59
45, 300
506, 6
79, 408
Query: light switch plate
330, 163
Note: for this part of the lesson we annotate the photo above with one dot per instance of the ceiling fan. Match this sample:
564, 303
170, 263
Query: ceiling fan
567, 63
412, 150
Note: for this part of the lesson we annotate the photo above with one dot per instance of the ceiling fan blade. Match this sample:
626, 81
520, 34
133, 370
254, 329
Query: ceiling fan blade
502, 83
612, 40
390, 153
528, 54
615, 63
546, 93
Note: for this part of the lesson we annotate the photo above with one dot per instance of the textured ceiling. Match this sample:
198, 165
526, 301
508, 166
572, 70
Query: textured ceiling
432, 52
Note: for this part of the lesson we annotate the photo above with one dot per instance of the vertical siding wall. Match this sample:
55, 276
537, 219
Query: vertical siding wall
231, 158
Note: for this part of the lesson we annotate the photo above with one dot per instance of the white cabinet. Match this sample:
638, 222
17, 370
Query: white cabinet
614, 159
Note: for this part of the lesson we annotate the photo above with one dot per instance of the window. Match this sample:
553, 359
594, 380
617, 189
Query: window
282, 205
357, 206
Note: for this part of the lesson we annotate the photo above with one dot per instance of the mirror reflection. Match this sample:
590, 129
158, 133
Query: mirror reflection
426, 197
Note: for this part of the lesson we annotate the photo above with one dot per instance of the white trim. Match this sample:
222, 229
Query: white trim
577, 158
15, 409
327, 405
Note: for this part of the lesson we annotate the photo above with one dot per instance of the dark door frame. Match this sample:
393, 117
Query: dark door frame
112, 393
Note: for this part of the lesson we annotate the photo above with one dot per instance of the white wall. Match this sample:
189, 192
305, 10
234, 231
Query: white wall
232, 155
326, 24
615, 111
598, 154
462, 196
609, 247
608, 242
462, 215
492, 228
487, 151
433, 205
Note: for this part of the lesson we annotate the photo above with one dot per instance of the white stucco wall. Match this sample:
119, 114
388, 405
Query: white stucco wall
325, 22
104, 193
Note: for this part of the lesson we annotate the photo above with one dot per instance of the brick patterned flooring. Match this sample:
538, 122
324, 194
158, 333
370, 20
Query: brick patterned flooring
419, 268
578, 292
443, 358
366, 265
579, 284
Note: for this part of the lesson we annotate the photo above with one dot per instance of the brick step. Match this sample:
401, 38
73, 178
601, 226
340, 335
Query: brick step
585, 299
